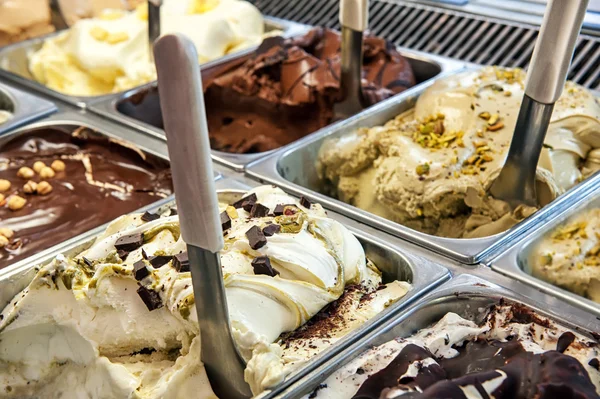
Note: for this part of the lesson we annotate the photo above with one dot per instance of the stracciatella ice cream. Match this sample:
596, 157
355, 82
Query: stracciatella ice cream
110, 53
514, 354
431, 167
24, 19
569, 256
118, 320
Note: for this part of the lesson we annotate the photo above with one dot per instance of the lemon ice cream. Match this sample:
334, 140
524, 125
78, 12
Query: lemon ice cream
118, 320
110, 53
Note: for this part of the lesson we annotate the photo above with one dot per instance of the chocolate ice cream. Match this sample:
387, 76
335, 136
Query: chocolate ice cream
58, 182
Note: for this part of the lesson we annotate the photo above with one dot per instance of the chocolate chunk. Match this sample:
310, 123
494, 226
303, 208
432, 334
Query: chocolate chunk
225, 221
87, 262
246, 202
259, 211
150, 297
256, 238
122, 253
140, 271
271, 229
173, 212
144, 254
160, 260
149, 216
130, 243
262, 265
564, 341
305, 202
279, 209
181, 263
595, 363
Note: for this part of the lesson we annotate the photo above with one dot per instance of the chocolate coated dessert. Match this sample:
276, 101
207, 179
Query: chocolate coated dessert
58, 182
287, 89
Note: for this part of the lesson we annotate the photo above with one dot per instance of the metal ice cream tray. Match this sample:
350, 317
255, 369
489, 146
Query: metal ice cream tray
14, 62
515, 262
390, 255
75, 119
140, 108
24, 107
468, 296
293, 168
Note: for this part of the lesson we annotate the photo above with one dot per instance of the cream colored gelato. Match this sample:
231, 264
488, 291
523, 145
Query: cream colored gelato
24, 19
430, 167
569, 257
111, 53
74, 10
118, 320
4, 116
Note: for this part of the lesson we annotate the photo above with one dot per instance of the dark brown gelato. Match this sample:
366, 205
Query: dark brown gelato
283, 91
87, 180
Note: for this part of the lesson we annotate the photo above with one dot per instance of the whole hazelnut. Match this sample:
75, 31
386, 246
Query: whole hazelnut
25, 173
3, 241
38, 166
44, 188
15, 202
58, 165
30, 187
6, 232
4, 185
47, 173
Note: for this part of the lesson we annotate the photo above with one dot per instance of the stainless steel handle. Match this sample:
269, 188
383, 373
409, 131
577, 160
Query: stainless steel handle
184, 114
554, 50
354, 14
153, 23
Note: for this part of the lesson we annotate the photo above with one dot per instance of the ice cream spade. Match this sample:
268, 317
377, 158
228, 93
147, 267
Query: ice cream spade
153, 23
182, 104
354, 16
545, 81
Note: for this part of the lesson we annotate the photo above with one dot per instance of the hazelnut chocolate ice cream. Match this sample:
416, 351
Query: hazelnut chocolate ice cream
58, 182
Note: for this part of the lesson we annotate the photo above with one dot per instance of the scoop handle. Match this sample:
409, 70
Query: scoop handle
354, 14
184, 115
553, 51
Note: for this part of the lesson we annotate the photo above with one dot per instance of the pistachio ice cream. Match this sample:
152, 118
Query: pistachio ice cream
118, 320
569, 256
431, 167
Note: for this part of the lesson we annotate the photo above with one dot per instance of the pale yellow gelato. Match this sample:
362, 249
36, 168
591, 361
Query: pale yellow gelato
569, 257
430, 168
111, 53
24, 19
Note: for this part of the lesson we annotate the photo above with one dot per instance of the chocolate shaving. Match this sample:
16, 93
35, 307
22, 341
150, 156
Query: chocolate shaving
173, 212
225, 220
256, 238
181, 262
149, 216
160, 260
305, 202
140, 271
564, 341
247, 202
271, 229
150, 297
259, 211
262, 265
595, 363
87, 262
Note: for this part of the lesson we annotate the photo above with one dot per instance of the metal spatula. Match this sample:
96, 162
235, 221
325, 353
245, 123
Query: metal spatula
545, 81
182, 104
354, 16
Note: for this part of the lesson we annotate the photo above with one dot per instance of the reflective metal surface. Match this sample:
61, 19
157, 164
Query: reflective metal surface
293, 168
24, 107
140, 108
466, 295
395, 259
14, 64
514, 263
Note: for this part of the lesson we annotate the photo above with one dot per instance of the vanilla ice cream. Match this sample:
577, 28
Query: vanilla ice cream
24, 19
569, 256
430, 168
118, 320
514, 354
110, 53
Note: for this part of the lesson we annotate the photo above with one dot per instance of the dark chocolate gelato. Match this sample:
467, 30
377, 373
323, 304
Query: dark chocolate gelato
58, 182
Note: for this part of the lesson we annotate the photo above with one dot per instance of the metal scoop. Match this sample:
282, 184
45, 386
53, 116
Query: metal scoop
153, 23
545, 81
182, 104
354, 16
